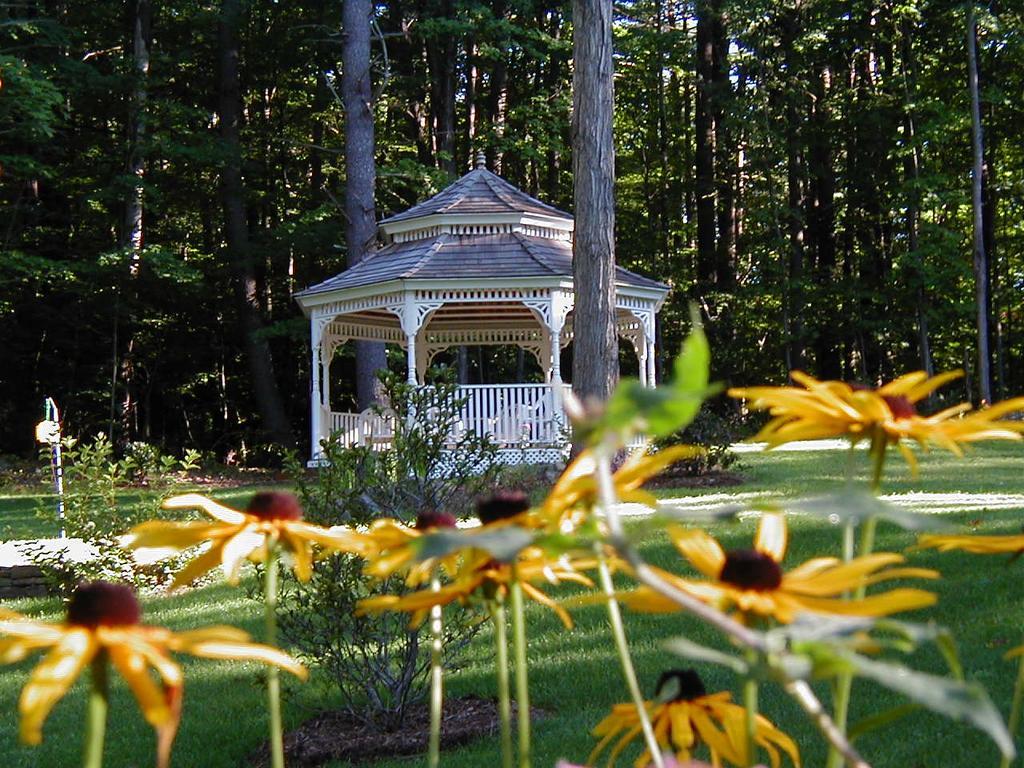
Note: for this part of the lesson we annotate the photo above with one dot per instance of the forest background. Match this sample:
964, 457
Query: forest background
800, 169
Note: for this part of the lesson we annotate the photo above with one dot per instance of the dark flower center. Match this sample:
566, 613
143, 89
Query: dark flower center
679, 685
900, 406
501, 505
431, 518
100, 602
750, 569
274, 505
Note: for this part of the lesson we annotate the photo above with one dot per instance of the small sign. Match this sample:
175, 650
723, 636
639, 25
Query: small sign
48, 431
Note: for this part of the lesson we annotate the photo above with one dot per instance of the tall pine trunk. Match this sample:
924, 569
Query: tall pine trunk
261, 364
595, 352
981, 271
912, 176
360, 172
704, 126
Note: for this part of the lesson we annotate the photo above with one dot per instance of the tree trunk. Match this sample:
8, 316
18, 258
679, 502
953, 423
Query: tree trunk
912, 175
360, 172
790, 28
595, 354
261, 366
981, 272
441, 54
725, 155
132, 234
705, 147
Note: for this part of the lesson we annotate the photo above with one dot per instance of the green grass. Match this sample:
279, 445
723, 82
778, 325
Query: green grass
574, 675
32, 515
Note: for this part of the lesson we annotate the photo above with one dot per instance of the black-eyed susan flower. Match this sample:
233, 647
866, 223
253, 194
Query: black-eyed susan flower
822, 409
752, 580
686, 719
395, 547
577, 485
271, 518
104, 619
480, 576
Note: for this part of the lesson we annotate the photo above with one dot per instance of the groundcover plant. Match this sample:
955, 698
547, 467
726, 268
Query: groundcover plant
827, 620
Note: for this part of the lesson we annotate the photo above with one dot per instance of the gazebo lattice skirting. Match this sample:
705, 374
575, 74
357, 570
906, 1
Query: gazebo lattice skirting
481, 263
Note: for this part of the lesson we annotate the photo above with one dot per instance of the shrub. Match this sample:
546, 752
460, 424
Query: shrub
95, 480
712, 431
377, 663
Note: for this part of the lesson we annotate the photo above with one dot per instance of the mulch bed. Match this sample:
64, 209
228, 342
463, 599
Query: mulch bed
338, 736
714, 479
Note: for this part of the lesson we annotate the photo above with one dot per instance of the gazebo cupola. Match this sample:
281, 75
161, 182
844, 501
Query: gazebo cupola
479, 263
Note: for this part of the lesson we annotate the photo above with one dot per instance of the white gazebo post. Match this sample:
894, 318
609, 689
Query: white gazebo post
316, 329
651, 366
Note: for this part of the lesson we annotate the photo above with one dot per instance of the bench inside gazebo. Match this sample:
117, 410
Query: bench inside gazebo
480, 263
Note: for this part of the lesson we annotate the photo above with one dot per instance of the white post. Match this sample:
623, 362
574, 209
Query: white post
327, 347
640, 347
410, 357
316, 400
651, 367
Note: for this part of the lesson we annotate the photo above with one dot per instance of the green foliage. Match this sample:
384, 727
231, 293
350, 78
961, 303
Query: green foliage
377, 662
94, 483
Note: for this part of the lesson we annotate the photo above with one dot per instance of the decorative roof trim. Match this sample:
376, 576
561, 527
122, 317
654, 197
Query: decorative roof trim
516, 218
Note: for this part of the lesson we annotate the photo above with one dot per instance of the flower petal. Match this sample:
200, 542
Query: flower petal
214, 509
703, 552
771, 538
198, 566
133, 669
51, 679
238, 651
238, 548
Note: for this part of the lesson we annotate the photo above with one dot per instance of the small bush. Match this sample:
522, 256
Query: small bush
95, 480
715, 433
377, 663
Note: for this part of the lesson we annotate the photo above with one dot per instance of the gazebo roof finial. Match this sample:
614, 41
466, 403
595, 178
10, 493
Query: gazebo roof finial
481, 160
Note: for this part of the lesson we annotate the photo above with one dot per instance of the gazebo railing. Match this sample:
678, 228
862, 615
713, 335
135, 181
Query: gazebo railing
513, 415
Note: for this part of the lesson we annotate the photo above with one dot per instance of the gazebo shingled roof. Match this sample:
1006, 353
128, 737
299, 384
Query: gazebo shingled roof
451, 256
479, 191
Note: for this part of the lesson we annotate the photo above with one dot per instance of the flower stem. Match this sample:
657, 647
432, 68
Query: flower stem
522, 683
750, 704
436, 680
501, 667
96, 724
270, 637
606, 488
879, 448
1014, 722
844, 683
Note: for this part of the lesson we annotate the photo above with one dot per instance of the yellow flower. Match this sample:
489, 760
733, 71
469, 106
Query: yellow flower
979, 545
395, 547
578, 483
752, 580
104, 618
821, 409
687, 717
271, 518
481, 575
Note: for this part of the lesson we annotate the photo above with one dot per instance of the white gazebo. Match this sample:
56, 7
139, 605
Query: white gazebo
480, 263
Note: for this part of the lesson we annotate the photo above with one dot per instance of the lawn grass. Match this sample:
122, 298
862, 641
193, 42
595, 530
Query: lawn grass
574, 675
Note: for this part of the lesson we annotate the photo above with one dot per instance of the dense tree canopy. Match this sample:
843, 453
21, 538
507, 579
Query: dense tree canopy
801, 169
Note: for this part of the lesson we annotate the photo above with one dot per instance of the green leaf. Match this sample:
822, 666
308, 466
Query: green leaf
502, 543
854, 505
881, 719
663, 410
697, 652
956, 699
